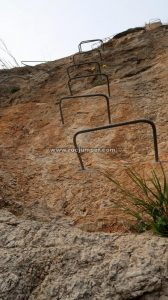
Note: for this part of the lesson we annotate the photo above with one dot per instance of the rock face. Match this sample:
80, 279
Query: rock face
56, 261
46, 199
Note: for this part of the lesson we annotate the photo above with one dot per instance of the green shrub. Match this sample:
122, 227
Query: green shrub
149, 204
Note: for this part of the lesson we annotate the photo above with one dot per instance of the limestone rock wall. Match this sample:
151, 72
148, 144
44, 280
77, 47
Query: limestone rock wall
46, 200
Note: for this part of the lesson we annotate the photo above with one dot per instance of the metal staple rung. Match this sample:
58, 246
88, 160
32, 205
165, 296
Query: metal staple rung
85, 76
30, 61
85, 96
90, 41
118, 125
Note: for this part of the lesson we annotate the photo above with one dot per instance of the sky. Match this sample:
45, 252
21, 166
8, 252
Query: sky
51, 29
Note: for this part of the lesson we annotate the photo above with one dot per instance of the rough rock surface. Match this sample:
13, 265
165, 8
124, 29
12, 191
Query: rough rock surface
39, 183
44, 254
56, 261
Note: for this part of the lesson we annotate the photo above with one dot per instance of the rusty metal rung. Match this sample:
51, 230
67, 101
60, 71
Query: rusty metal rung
85, 76
32, 61
90, 41
85, 96
152, 124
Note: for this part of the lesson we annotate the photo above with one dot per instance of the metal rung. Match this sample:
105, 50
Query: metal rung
82, 64
113, 126
90, 41
87, 52
85, 76
85, 96
30, 61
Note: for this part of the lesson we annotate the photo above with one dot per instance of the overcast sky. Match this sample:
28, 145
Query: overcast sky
50, 29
